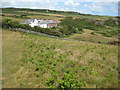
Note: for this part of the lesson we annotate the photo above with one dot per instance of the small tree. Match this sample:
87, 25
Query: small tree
6, 23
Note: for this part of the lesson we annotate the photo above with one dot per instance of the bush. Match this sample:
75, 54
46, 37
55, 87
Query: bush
25, 26
6, 23
92, 33
111, 22
70, 26
68, 81
61, 31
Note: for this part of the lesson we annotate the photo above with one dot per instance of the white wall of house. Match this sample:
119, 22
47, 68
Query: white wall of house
35, 23
43, 25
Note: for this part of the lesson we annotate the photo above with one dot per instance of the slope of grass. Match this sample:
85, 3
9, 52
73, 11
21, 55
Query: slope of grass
36, 62
11, 51
51, 15
12, 18
92, 36
0, 59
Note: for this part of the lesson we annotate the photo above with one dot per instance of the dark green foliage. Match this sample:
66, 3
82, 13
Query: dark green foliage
18, 16
6, 23
111, 22
2, 15
64, 30
70, 26
107, 28
92, 33
47, 31
68, 81
75, 25
25, 26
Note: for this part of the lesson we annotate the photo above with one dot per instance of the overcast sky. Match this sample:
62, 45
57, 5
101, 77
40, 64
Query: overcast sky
96, 7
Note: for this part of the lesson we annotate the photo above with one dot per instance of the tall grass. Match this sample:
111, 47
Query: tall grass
48, 62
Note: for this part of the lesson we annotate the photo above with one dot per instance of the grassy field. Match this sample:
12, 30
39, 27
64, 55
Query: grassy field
0, 59
92, 36
50, 15
16, 19
33, 61
29, 14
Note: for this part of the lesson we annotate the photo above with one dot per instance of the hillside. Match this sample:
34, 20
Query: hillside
15, 13
87, 21
84, 54
36, 62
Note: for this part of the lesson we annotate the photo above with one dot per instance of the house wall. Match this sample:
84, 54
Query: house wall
35, 23
43, 25
52, 25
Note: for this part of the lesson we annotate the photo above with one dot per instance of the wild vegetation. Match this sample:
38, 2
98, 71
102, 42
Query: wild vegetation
42, 62
62, 30
68, 26
83, 60
105, 25
91, 36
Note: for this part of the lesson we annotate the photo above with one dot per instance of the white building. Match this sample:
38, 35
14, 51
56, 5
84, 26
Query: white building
40, 23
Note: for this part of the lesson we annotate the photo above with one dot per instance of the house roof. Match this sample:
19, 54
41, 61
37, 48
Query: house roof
45, 21
28, 21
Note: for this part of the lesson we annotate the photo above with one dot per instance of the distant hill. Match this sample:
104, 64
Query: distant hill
47, 11
56, 15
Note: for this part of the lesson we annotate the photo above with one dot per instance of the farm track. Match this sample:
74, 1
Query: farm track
50, 36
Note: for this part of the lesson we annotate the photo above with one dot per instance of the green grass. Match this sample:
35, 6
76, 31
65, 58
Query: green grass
12, 18
92, 36
0, 59
9, 13
33, 61
51, 15
11, 51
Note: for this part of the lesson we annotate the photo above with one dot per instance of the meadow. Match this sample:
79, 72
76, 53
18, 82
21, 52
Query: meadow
83, 60
92, 36
43, 14
33, 61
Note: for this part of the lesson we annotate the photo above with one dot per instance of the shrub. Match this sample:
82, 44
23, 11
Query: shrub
70, 26
111, 22
6, 23
92, 33
68, 81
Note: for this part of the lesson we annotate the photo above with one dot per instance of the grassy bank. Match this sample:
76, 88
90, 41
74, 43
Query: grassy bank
92, 36
36, 62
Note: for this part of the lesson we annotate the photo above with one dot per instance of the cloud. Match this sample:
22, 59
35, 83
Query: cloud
98, 8
67, 9
62, 0
71, 3
34, 5
108, 8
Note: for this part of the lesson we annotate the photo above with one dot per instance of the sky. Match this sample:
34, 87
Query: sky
95, 7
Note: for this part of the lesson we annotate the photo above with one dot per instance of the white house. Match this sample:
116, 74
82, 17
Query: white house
33, 23
40, 23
